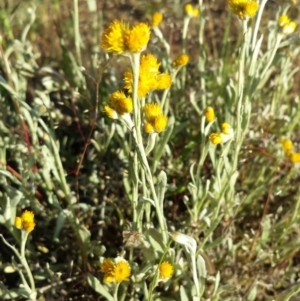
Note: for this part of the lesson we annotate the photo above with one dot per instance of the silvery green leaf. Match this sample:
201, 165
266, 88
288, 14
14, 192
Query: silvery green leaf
99, 288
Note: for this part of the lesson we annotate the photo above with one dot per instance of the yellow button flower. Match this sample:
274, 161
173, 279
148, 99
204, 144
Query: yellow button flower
244, 9
216, 138
137, 38
149, 76
151, 111
182, 60
163, 81
294, 157
209, 114
191, 11
120, 102
118, 38
113, 38
26, 221
286, 24
156, 121
116, 270
166, 270
160, 123
156, 19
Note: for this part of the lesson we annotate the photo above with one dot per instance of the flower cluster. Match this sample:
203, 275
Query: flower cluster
244, 9
191, 11
287, 146
181, 61
26, 221
225, 135
156, 19
149, 77
119, 105
209, 114
166, 271
287, 26
116, 270
156, 121
119, 38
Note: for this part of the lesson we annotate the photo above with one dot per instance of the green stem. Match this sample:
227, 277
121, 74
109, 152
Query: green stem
76, 31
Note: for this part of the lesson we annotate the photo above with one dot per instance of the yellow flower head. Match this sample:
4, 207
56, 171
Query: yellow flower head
209, 114
294, 157
18, 222
119, 38
191, 11
122, 270
156, 19
287, 144
113, 38
107, 266
244, 9
216, 138
110, 112
226, 128
163, 81
286, 24
148, 76
182, 60
120, 102
156, 120
283, 19
148, 127
137, 38
151, 111
26, 221
115, 271
160, 123
166, 270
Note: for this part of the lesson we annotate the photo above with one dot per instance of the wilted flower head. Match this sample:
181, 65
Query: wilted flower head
156, 19
116, 270
191, 11
188, 242
244, 9
209, 114
166, 270
181, 61
26, 221
286, 24
119, 38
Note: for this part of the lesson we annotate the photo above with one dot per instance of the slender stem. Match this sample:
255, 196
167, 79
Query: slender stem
257, 23
116, 292
76, 31
135, 60
275, 48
